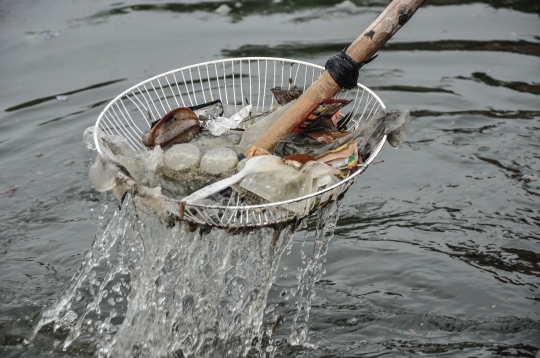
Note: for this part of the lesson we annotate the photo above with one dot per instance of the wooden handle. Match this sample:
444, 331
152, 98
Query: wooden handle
362, 49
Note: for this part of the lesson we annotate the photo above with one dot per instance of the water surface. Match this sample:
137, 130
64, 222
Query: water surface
436, 250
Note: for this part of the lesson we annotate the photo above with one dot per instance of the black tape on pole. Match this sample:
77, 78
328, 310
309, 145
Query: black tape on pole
344, 70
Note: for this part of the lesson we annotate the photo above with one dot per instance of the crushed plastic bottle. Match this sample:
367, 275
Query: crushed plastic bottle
285, 182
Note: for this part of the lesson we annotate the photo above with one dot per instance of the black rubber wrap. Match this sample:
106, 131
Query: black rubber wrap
344, 70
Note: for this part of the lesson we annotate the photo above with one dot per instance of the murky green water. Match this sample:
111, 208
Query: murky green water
437, 248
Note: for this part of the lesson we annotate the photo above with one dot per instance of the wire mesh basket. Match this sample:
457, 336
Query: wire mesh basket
233, 81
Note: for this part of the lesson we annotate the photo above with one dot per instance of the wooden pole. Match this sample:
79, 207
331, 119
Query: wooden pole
394, 17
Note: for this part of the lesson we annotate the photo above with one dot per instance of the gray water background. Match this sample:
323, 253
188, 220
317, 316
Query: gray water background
436, 251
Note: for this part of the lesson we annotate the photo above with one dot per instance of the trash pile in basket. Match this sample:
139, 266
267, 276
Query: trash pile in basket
195, 153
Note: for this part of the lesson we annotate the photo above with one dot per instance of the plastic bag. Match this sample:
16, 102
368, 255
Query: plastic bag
395, 124
400, 128
284, 182
254, 131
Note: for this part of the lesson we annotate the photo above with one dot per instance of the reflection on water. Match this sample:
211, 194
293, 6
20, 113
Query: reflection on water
238, 10
53, 97
493, 113
292, 50
532, 88
436, 249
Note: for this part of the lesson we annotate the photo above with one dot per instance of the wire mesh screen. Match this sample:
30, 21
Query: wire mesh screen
238, 81
234, 81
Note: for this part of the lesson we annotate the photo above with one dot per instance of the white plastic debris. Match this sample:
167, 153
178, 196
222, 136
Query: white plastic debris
117, 145
347, 4
155, 160
153, 166
223, 9
218, 126
101, 176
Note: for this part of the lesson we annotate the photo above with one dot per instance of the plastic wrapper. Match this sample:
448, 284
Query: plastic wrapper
345, 151
118, 149
295, 143
216, 128
221, 124
118, 146
101, 176
155, 160
210, 110
154, 163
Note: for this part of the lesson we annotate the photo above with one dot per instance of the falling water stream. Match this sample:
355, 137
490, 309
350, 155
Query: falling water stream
147, 288
436, 252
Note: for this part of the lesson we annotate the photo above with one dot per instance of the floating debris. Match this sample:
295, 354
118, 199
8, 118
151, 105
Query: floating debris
10, 191
34, 37
347, 4
223, 9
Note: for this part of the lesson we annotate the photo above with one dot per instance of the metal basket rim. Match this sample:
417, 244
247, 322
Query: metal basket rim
363, 167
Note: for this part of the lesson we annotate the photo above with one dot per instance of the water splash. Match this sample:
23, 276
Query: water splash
151, 287
312, 272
